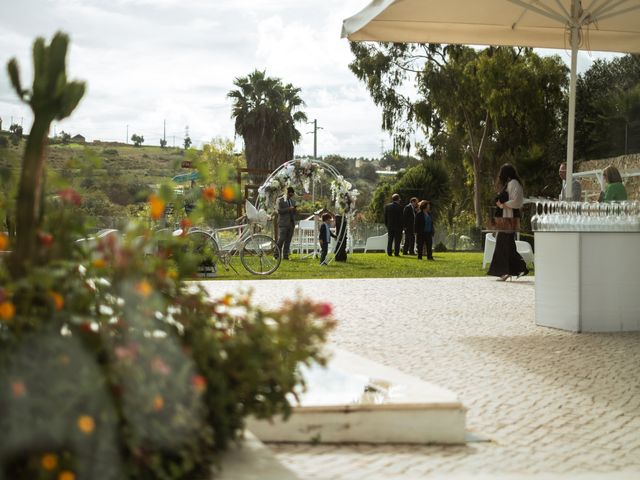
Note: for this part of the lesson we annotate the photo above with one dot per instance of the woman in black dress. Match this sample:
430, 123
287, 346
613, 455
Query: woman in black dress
507, 262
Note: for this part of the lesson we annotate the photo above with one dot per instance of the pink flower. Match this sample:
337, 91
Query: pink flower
323, 309
69, 195
158, 365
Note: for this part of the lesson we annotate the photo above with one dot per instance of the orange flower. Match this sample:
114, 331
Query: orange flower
7, 310
185, 225
58, 300
99, 263
227, 299
49, 461
172, 274
209, 193
199, 383
18, 389
144, 288
228, 193
157, 206
4, 241
67, 475
86, 424
158, 403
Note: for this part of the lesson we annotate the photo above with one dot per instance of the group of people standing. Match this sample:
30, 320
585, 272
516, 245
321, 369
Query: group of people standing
416, 221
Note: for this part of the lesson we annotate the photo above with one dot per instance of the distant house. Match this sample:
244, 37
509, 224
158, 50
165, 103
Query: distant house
78, 139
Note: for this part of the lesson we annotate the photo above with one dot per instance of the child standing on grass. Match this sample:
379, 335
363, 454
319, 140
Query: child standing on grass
325, 237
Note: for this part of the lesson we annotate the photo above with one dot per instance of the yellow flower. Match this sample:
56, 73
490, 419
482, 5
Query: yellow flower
58, 300
144, 288
67, 475
49, 461
7, 311
4, 241
172, 274
157, 206
86, 424
99, 263
158, 403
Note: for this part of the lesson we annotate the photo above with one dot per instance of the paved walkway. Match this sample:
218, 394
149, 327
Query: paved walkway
552, 402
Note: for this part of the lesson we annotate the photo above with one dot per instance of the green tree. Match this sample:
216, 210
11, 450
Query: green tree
499, 100
596, 136
65, 137
137, 139
187, 142
15, 133
266, 112
163, 143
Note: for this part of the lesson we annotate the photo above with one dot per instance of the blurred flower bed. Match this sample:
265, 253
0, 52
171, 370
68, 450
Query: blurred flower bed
113, 364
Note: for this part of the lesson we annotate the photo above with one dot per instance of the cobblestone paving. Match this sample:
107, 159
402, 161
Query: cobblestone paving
551, 402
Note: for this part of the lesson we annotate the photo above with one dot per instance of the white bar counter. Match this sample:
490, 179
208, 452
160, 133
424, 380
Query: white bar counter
588, 281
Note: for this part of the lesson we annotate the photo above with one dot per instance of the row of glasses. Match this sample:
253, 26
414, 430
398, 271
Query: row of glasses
562, 216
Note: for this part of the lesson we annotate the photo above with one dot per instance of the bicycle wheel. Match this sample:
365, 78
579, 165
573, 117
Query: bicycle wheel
259, 255
206, 248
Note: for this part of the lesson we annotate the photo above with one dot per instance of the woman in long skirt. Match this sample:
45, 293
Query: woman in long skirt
506, 261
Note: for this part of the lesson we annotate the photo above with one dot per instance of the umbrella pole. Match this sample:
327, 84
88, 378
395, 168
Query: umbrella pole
572, 101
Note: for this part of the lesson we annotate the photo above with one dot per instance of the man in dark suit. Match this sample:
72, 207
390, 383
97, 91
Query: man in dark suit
408, 220
393, 221
286, 222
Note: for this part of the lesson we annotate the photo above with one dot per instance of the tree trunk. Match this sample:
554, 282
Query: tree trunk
477, 197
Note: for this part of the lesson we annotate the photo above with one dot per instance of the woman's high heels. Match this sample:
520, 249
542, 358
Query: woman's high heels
504, 278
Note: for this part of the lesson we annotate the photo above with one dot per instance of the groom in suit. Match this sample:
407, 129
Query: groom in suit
286, 222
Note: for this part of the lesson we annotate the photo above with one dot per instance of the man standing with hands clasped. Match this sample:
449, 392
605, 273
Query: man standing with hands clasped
286, 222
393, 221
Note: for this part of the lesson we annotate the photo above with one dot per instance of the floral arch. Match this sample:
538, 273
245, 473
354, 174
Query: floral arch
304, 174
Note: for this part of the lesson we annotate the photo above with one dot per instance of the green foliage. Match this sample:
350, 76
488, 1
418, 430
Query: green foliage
440, 247
163, 143
607, 109
478, 107
137, 139
187, 142
426, 181
65, 137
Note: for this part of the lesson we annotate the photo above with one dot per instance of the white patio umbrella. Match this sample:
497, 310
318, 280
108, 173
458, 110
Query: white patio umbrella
601, 25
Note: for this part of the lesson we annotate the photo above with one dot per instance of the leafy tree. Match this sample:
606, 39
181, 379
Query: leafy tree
65, 137
502, 101
367, 171
137, 139
601, 115
427, 181
15, 133
187, 142
266, 112
163, 143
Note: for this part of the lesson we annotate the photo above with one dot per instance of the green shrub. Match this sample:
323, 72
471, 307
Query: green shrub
440, 247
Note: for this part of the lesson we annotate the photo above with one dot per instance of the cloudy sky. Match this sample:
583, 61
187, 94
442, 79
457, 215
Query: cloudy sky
146, 61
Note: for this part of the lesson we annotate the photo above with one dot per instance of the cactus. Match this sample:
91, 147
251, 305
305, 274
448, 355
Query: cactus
51, 98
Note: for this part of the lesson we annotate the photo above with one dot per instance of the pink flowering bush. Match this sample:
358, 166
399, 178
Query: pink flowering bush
112, 364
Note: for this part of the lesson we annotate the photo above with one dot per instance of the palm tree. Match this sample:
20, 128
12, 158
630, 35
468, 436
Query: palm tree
266, 113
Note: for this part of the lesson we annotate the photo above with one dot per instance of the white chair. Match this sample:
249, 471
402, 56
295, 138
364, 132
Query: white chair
306, 238
376, 243
522, 247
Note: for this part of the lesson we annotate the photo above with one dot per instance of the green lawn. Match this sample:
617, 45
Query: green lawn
371, 265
